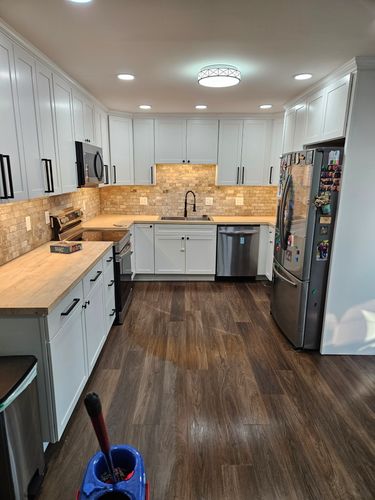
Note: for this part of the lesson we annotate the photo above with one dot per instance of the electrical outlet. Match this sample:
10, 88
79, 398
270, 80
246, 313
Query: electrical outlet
28, 223
143, 200
209, 200
239, 200
46, 217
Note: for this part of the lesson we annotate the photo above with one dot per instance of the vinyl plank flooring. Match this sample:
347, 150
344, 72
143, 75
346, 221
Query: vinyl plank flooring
202, 382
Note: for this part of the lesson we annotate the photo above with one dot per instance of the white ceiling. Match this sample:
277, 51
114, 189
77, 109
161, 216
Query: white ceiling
165, 43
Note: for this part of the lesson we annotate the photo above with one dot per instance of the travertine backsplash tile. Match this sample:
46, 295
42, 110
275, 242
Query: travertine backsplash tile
172, 182
15, 240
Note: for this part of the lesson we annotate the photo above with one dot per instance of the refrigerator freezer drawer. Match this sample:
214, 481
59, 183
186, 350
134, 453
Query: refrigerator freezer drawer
288, 305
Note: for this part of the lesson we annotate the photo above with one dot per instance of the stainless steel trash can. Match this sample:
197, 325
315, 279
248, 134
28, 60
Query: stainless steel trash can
21, 446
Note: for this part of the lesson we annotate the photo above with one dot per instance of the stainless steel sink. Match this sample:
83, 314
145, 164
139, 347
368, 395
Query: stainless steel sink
198, 218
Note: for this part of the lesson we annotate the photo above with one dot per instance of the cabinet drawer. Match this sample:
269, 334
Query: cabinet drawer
108, 284
107, 260
91, 278
64, 310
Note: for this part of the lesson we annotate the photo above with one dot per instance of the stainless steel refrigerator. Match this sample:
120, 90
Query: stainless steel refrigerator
307, 204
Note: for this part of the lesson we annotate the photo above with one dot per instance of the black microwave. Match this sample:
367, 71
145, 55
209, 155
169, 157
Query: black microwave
90, 167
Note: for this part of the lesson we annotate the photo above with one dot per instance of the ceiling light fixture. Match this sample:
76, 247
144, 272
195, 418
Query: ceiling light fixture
80, 1
144, 106
219, 75
303, 76
125, 76
265, 106
200, 106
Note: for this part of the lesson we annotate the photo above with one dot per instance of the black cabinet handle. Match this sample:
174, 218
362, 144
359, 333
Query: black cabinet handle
114, 175
187, 237
98, 273
243, 175
150, 226
2, 168
270, 179
152, 174
51, 176
106, 175
182, 238
113, 312
111, 283
188, 161
11, 195
70, 308
110, 259
238, 175
48, 190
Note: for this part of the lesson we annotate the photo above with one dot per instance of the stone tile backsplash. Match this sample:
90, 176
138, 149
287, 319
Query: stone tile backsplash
165, 198
172, 182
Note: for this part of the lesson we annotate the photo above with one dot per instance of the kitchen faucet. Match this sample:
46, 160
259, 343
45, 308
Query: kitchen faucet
186, 203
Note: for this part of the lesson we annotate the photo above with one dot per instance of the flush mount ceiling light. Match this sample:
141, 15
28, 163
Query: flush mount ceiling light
219, 75
144, 106
80, 1
125, 76
200, 106
265, 106
303, 76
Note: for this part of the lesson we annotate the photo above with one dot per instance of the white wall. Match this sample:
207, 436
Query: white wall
349, 324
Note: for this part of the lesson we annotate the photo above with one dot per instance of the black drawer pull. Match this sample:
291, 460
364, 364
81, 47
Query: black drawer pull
11, 195
114, 175
70, 308
2, 168
270, 179
110, 259
113, 312
111, 283
98, 273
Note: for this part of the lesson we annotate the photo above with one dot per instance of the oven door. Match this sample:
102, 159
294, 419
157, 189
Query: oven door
123, 280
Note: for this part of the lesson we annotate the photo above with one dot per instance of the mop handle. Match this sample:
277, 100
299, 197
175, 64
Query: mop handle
94, 409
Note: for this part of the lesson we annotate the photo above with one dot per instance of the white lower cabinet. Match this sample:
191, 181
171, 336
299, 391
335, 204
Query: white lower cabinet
270, 249
185, 249
94, 323
144, 248
109, 298
265, 255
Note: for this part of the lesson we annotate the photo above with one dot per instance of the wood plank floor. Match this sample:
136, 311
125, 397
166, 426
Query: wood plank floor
201, 381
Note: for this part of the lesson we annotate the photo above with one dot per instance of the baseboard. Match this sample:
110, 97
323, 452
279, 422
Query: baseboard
174, 277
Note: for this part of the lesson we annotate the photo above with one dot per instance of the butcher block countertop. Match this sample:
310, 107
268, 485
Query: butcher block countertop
108, 221
34, 283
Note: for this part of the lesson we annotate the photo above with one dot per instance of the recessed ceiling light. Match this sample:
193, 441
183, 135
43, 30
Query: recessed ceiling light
125, 76
265, 106
80, 1
219, 75
200, 106
144, 106
303, 76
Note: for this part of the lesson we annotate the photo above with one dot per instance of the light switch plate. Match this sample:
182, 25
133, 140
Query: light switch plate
239, 200
46, 217
143, 200
209, 200
28, 223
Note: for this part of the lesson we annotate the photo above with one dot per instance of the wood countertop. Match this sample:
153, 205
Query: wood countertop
34, 283
109, 221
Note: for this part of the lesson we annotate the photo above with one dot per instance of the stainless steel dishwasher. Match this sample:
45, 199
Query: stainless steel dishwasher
237, 251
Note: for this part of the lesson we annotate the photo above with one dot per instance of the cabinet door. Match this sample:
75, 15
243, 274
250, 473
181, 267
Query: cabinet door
315, 112
270, 246
335, 114
276, 150
98, 128
88, 121
263, 250
78, 113
255, 152
95, 327
170, 140
121, 147
289, 129
170, 253
68, 366
105, 145
65, 135
144, 151
47, 124
201, 252
229, 155
26, 82
144, 248
202, 141
14, 171
300, 127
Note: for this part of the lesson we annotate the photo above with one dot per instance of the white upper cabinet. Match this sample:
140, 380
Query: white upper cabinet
300, 126
229, 157
144, 151
289, 129
79, 128
334, 120
65, 135
98, 128
88, 121
276, 150
47, 132
13, 178
37, 172
170, 140
121, 147
202, 141
256, 141
105, 145
315, 111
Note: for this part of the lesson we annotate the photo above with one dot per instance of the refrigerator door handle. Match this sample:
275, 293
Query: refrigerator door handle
283, 277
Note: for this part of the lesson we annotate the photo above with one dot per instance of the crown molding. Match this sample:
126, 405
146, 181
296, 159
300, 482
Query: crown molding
365, 62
